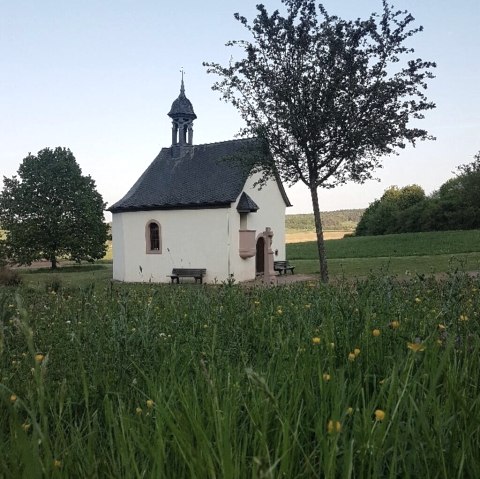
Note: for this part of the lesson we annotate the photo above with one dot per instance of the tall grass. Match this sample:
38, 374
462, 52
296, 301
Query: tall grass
178, 381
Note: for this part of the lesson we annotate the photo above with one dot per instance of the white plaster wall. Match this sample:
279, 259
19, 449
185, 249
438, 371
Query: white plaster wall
271, 213
190, 239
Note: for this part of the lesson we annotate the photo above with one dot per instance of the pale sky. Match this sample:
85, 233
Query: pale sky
99, 77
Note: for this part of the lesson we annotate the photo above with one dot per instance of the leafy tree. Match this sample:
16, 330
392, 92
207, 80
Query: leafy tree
389, 214
51, 210
329, 97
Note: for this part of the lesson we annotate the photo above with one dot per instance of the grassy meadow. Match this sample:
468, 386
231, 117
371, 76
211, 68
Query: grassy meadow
363, 378
401, 254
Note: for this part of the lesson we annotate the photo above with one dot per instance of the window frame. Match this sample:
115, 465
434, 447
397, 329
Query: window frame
148, 237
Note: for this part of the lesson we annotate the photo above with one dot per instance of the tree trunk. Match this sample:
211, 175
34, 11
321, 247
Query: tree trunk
53, 260
322, 256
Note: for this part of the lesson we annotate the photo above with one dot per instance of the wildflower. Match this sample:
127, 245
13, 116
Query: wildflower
418, 300
256, 303
463, 317
379, 415
376, 333
279, 311
326, 377
57, 464
334, 427
308, 306
316, 340
351, 357
332, 345
356, 351
416, 347
13, 398
150, 404
394, 325
39, 358
350, 411
138, 411
442, 327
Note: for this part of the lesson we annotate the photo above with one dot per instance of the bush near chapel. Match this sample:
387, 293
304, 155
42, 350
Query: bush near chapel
51, 210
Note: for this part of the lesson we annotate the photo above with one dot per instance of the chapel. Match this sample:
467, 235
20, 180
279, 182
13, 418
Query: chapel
198, 206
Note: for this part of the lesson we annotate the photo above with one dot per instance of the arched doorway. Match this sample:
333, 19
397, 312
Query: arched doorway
260, 256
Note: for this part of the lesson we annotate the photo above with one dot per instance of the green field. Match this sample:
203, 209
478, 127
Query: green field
403, 254
144, 381
377, 377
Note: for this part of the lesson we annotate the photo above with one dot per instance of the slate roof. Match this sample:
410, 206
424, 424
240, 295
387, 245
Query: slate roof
246, 204
188, 177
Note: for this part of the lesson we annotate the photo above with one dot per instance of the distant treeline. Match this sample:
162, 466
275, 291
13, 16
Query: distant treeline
455, 206
340, 220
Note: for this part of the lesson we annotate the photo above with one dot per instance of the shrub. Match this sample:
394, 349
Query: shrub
9, 277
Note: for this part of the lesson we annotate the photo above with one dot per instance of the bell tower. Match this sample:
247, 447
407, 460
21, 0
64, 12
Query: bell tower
182, 116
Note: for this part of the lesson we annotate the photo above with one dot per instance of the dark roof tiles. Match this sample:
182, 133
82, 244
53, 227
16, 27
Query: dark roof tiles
185, 177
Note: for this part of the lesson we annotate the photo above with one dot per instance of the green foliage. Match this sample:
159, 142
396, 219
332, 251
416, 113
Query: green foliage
339, 220
329, 97
383, 216
455, 206
162, 381
51, 210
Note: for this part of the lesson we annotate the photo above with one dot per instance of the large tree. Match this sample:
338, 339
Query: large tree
329, 97
51, 210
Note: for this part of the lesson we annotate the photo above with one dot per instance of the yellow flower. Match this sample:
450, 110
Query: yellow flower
308, 306
279, 311
463, 317
350, 411
332, 345
376, 333
356, 351
334, 426
39, 358
316, 340
351, 357
138, 411
57, 463
416, 347
379, 415
150, 404
418, 300
13, 398
394, 324
442, 327
256, 303
326, 377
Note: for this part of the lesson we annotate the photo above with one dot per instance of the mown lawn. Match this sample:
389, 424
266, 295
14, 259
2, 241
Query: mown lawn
403, 254
367, 379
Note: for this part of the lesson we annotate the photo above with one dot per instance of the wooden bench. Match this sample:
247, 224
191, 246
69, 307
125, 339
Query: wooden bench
283, 266
195, 273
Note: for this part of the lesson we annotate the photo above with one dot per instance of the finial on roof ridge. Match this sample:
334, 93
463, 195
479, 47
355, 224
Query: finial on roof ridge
182, 85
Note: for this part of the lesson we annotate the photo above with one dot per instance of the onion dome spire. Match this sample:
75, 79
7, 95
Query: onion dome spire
182, 116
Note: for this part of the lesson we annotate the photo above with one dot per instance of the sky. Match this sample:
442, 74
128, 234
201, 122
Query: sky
99, 77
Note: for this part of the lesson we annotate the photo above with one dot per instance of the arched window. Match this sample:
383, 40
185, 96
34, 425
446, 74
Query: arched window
153, 237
